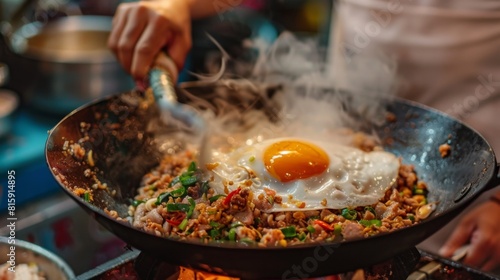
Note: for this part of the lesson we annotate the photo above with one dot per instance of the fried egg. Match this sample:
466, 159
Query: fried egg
307, 174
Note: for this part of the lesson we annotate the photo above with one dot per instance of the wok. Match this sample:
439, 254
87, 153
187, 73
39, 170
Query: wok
124, 153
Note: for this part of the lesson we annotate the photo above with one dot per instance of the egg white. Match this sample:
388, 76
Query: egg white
353, 177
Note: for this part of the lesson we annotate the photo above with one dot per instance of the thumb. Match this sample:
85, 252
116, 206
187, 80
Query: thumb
461, 235
179, 49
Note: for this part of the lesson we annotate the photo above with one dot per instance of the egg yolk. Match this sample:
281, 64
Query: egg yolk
292, 160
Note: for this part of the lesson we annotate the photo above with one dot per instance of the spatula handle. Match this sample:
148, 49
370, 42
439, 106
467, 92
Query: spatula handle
162, 78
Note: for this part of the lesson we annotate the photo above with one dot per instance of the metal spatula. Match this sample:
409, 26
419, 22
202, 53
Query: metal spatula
161, 79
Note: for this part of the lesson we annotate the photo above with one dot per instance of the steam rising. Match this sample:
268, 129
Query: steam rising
299, 89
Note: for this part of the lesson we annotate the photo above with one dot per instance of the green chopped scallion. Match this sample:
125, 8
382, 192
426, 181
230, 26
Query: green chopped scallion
192, 205
311, 229
247, 240
215, 197
256, 221
236, 224
337, 229
214, 233
183, 224
302, 236
365, 223
232, 234
270, 199
187, 178
136, 203
349, 214
214, 224
174, 181
368, 223
418, 191
369, 208
289, 232
180, 192
163, 197
205, 187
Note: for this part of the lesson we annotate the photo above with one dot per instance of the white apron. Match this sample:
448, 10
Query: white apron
448, 53
448, 56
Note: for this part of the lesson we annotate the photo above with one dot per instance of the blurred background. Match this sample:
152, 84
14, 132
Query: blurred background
53, 59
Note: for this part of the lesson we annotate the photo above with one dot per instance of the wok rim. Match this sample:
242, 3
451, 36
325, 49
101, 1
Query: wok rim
490, 173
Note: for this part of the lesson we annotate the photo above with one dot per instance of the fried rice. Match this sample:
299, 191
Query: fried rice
175, 200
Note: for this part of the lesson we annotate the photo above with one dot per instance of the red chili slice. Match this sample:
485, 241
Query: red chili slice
230, 195
324, 225
177, 219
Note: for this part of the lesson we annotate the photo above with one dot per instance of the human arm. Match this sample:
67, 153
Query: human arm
141, 29
481, 229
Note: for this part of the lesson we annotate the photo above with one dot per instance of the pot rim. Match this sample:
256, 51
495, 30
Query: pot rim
18, 44
64, 268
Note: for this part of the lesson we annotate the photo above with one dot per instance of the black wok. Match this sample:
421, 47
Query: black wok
125, 153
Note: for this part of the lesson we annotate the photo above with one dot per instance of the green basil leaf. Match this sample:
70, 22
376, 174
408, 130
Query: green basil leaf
187, 181
173, 207
192, 167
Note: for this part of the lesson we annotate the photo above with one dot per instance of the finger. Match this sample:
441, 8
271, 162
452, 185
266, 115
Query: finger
459, 237
479, 251
118, 24
130, 36
152, 40
179, 47
140, 85
491, 265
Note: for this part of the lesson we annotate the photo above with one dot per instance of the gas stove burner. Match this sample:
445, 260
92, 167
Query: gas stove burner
150, 268
133, 265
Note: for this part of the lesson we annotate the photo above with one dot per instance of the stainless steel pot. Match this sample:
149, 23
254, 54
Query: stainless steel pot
65, 62
14, 252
